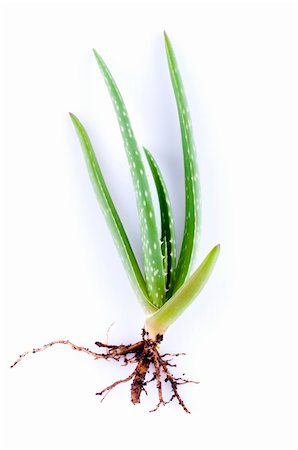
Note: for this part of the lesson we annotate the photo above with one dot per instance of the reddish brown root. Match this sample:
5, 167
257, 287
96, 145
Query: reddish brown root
145, 355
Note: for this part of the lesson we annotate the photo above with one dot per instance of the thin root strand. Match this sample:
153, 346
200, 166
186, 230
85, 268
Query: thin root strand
61, 341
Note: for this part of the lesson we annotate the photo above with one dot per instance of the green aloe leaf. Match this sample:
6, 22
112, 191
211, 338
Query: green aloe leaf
151, 245
160, 321
112, 217
167, 225
192, 188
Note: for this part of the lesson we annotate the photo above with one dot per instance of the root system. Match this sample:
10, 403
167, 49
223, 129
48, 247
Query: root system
150, 366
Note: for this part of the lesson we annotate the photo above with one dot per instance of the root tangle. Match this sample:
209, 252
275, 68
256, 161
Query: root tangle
145, 355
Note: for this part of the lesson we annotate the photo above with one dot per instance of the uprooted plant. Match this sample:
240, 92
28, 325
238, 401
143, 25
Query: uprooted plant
166, 289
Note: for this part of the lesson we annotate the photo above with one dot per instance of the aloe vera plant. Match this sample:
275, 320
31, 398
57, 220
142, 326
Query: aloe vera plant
163, 285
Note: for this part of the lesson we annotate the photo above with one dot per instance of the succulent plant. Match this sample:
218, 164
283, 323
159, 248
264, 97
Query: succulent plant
165, 286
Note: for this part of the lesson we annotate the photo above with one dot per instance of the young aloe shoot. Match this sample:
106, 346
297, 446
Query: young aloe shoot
164, 287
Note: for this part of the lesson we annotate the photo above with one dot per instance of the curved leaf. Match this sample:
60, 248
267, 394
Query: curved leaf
192, 188
151, 248
112, 217
167, 224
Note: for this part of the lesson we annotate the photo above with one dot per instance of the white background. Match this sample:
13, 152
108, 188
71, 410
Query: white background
64, 277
